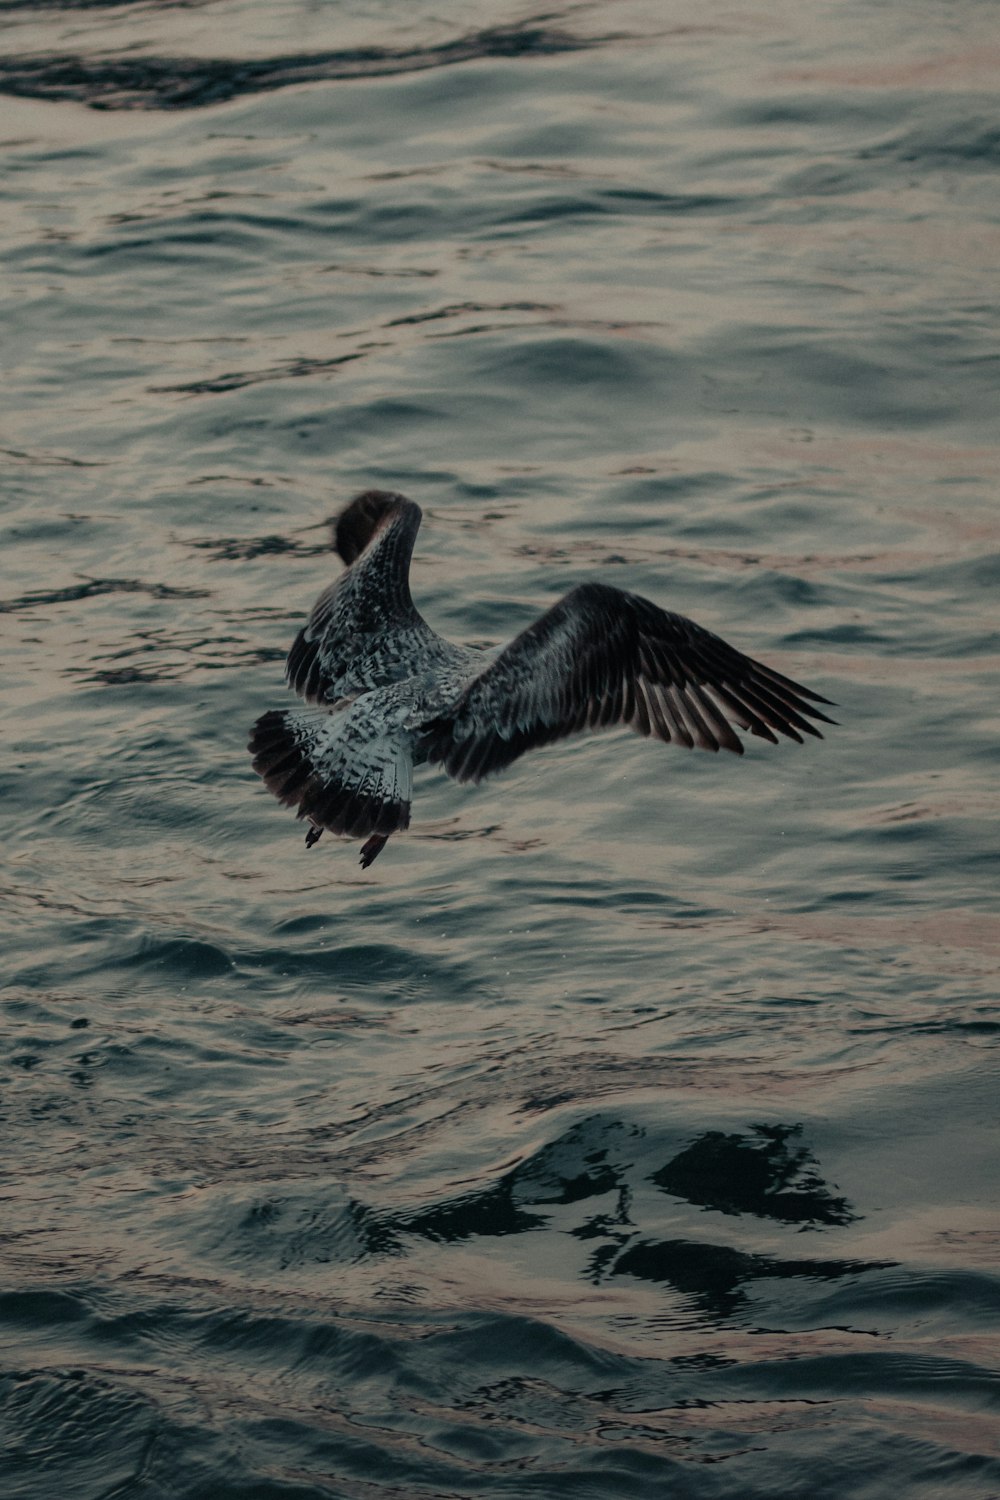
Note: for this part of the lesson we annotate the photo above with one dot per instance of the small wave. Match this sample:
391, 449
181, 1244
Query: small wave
306, 368
49, 460
235, 380
50, 1418
128, 82
971, 143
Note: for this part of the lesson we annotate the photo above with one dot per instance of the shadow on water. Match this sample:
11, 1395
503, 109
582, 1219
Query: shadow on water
713, 1276
127, 82
767, 1173
759, 1173
592, 1185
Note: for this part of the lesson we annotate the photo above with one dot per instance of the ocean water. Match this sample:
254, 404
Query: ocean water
630, 1127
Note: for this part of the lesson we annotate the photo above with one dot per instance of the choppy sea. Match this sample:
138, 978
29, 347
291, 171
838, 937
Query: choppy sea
630, 1127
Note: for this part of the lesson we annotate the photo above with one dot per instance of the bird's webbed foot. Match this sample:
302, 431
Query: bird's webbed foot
373, 848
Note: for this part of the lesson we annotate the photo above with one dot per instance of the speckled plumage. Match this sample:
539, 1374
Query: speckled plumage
383, 692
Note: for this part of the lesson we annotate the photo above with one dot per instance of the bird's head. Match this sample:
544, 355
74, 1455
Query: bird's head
358, 522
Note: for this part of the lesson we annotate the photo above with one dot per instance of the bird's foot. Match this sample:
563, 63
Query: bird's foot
373, 848
313, 836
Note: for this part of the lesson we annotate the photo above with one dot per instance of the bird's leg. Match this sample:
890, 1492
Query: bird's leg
314, 835
373, 848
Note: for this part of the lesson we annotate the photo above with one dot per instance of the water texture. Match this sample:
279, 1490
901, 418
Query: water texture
630, 1127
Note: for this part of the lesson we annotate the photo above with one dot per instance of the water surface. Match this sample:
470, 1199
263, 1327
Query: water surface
630, 1127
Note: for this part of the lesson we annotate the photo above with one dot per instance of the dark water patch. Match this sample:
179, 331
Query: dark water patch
948, 1025
839, 110
245, 549
717, 1277
893, 1373
121, 82
27, 7
972, 142
584, 204
92, 588
252, 481
588, 1161
570, 1170
459, 309
767, 1172
50, 460
489, 1213
234, 380
149, 676
171, 655
43, 1306
608, 1160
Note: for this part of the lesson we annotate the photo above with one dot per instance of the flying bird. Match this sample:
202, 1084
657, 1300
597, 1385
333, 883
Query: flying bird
384, 692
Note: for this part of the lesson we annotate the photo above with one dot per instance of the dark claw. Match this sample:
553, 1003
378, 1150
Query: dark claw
373, 848
313, 836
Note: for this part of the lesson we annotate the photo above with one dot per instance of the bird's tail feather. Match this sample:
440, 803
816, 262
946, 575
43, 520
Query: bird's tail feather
340, 779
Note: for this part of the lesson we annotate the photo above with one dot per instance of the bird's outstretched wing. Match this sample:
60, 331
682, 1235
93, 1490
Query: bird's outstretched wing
364, 628
601, 657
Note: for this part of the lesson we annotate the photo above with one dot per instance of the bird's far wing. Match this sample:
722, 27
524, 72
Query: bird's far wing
601, 657
364, 628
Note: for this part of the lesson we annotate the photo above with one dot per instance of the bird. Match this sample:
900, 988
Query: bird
383, 692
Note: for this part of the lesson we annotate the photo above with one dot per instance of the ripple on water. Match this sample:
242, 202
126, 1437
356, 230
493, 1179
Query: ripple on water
151, 82
50, 1419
